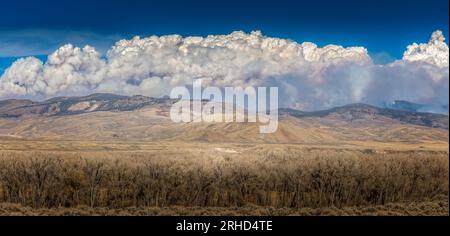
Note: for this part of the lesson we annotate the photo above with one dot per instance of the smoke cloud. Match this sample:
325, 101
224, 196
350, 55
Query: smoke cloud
308, 77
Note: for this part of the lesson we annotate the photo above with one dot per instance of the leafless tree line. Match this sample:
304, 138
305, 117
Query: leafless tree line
47, 181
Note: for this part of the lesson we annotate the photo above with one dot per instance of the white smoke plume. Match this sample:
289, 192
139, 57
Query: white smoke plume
308, 77
434, 52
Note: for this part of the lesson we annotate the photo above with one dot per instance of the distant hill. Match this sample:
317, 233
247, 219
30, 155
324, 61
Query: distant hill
366, 112
404, 105
140, 118
77, 105
416, 107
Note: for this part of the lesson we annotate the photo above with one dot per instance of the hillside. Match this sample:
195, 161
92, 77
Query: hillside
138, 118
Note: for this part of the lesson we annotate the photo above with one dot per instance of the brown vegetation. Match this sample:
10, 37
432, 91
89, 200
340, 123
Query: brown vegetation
316, 179
433, 207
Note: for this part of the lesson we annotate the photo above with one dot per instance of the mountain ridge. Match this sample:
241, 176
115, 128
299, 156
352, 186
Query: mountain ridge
77, 105
107, 102
109, 117
364, 111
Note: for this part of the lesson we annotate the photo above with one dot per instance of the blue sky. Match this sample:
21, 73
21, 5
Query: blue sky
384, 27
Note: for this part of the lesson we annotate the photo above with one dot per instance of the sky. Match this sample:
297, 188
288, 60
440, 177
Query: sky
384, 27
364, 31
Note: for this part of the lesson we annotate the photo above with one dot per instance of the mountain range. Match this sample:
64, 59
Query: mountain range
140, 118
416, 107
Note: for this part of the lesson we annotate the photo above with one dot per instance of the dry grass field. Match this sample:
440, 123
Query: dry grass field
42, 177
432, 207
